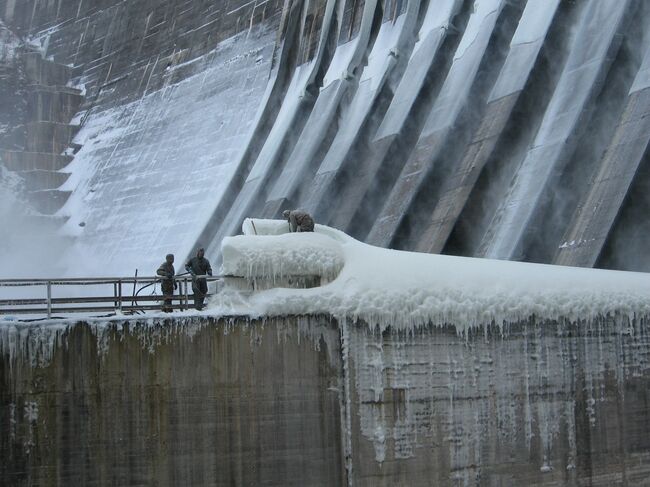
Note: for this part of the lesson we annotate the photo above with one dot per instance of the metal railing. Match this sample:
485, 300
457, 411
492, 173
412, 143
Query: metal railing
118, 298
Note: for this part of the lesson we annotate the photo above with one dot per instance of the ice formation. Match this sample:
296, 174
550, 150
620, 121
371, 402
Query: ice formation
149, 172
405, 289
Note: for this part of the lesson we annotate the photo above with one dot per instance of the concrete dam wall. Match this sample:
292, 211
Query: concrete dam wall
309, 401
507, 129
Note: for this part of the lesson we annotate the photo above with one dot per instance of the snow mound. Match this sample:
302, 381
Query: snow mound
405, 289
276, 253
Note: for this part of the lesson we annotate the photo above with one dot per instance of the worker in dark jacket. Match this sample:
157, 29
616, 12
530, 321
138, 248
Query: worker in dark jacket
299, 221
199, 266
168, 284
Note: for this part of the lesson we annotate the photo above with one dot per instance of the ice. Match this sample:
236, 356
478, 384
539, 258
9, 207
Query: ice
431, 36
642, 80
340, 65
380, 62
9, 44
401, 289
524, 47
37, 343
483, 10
575, 90
150, 172
457, 85
300, 254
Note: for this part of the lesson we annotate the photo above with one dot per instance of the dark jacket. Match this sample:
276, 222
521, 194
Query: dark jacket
166, 270
198, 266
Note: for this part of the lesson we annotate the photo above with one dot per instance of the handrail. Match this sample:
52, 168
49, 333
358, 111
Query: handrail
118, 299
98, 280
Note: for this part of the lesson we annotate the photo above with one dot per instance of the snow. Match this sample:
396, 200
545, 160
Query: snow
573, 93
483, 10
534, 21
9, 44
380, 62
642, 79
150, 172
340, 64
302, 254
438, 16
264, 163
406, 289
524, 47
467, 59
430, 37
383, 52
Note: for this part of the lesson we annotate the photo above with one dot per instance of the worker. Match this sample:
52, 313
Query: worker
199, 266
168, 283
299, 221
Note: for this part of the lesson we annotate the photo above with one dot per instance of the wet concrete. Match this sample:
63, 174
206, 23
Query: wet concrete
308, 401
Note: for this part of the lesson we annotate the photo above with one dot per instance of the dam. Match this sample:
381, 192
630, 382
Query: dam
514, 130
499, 148
541, 385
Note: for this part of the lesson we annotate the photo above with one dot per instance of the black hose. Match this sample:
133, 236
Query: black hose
154, 290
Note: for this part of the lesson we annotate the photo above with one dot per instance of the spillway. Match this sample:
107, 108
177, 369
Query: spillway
476, 128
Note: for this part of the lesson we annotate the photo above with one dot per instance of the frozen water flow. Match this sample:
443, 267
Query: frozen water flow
407, 289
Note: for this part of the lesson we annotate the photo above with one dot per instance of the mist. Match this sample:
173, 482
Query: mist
31, 245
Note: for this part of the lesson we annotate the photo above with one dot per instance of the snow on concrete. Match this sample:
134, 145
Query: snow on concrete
467, 59
299, 254
525, 45
381, 60
579, 83
267, 156
339, 67
642, 79
150, 173
430, 37
9, 44
407, 289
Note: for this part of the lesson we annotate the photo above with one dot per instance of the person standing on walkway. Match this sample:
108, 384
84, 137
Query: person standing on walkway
199, 266
167, 284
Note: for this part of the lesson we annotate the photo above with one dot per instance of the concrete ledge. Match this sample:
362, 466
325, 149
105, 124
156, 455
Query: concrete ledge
45, 72
40, 179
49, 136
27, 161
49, 201
52, 104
